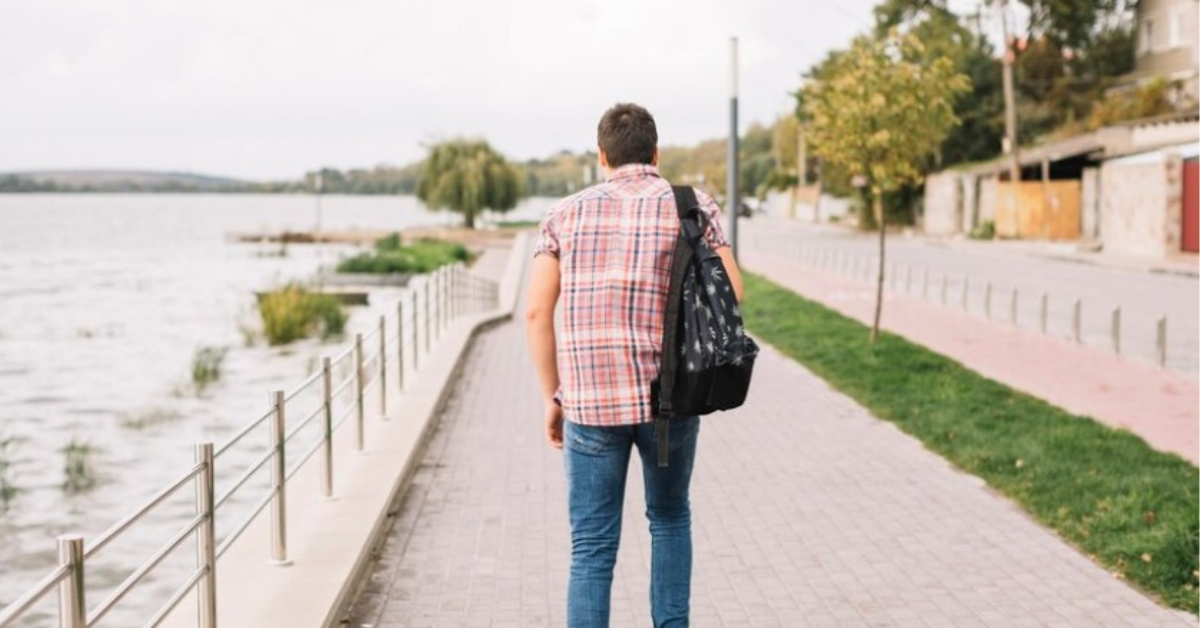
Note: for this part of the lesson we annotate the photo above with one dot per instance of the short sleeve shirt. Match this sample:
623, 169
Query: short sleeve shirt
614, 242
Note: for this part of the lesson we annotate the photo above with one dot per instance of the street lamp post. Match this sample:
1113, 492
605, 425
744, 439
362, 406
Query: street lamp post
733, 203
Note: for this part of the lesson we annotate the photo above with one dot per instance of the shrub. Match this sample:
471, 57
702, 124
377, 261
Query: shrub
985, 231
292, 312
391, 256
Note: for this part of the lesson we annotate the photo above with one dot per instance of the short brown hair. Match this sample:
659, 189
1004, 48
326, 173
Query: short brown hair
627, 135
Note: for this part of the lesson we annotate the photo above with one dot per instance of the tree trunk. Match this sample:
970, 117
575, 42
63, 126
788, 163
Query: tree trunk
878, 203
469, 218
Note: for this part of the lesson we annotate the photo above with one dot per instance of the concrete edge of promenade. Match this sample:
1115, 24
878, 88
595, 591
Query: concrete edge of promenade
330, 541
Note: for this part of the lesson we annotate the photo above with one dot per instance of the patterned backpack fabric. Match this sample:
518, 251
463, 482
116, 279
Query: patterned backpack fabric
707, 356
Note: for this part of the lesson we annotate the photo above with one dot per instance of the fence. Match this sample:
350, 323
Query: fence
944, 287
420, 316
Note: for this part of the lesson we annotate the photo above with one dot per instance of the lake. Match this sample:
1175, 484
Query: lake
104, 299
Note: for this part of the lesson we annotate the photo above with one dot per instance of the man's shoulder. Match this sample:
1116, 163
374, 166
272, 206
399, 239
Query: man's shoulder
587, 195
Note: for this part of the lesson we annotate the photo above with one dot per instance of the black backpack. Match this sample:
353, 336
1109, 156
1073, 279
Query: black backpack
707, 357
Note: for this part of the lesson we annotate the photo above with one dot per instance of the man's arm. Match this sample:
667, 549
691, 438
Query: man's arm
731, 269
541, 300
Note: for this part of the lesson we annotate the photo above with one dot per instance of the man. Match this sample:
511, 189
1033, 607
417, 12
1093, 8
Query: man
606, 251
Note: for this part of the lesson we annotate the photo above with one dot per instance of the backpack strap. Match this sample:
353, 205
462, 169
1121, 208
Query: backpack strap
688, 208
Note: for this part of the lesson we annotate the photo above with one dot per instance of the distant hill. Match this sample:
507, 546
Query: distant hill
119, 181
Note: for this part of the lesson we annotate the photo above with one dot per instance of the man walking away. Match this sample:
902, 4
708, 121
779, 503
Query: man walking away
606, 252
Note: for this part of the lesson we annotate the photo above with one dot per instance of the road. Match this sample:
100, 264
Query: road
1142, 297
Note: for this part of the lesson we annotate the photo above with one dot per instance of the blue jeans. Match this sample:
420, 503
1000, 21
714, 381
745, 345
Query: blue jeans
597, 459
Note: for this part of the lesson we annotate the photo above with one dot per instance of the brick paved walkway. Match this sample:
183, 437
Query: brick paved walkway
808, 512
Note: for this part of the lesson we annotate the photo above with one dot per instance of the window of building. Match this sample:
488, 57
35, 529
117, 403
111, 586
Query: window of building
1176, 30
1146, 41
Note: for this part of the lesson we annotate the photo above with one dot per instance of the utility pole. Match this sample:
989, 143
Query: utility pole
1010, 107
731, 187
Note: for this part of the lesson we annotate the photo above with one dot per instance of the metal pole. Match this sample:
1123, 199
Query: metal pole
428, 344
1077, 321
1160, 341
987, 300
1012, 308
327, 421
925, 285
206, 541
1043, 312
416, 334
400, 344
945, 285
383, 367
907, 279
966, 294
278, 482
732, 167
72, 606
358, 392
1010, 107
1116, 330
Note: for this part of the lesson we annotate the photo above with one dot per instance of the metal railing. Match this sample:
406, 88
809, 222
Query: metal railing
422, 314
938, 285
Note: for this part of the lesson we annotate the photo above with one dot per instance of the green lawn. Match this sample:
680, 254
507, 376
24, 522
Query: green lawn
392, 256
1134, 509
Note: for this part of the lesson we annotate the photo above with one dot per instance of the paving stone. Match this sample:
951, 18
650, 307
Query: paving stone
807, 511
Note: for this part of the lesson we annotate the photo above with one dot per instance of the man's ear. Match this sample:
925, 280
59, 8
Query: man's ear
654, 160
603, 157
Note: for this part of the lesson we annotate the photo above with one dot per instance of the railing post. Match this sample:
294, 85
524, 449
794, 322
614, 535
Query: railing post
383, 414
966, 294
416, 333
1043, 312
72, 607
907, 279
1116, 330
358, 392
278, 481
1077, 321
1012, 308
1160, 341
428, 345
400, 344
945, 286
987, 300
327, 425
206, 543
925, 285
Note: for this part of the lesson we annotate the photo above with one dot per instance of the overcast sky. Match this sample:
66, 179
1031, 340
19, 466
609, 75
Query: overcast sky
270, 88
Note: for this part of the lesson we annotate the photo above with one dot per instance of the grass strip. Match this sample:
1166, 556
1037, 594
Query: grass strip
1130, 507
392, 256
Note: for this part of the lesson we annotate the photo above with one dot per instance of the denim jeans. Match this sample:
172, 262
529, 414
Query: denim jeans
597, 459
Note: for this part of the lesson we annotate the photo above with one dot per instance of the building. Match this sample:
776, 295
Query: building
1167, 33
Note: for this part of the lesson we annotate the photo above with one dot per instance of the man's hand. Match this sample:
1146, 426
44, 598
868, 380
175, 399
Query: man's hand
554, 425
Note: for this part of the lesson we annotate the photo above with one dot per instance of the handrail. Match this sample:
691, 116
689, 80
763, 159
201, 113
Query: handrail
18, 606
108, 535
420, 315
155, 560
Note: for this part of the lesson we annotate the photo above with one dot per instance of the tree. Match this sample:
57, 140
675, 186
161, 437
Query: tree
468, 176
880, 112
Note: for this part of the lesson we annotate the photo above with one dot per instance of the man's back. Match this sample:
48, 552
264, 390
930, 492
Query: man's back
614, 243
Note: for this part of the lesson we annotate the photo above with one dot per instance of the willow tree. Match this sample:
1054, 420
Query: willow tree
879, 113
468, 176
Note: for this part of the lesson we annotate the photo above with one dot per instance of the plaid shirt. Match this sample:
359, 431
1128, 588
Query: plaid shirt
614, 243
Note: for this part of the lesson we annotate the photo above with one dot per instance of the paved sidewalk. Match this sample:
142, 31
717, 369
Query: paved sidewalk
808, 512
1156, 404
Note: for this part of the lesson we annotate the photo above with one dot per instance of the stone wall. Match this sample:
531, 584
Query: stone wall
943, 204
1140, 206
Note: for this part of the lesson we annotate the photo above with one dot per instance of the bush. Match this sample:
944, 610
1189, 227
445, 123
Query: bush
985, 231
292, 312
392, 256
